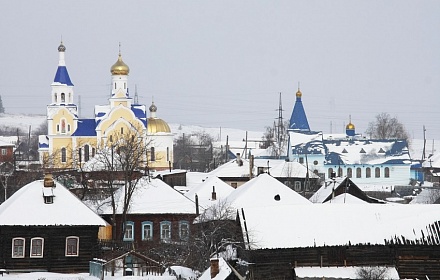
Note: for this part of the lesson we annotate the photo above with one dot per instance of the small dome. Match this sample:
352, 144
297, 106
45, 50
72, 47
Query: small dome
350, 126
155, 125
298, 94
119, 68
61, 47
153, 108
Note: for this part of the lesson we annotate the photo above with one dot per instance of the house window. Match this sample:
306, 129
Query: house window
18, 248
301, 160
37, 245
3, 152
297, 186
147, 230
165, 230
86, 153
48, 199
234, 185
129, 231
387, 172
152, 154
72, 246
183, 230
368, 172
358, 172
349, 172
63, 155
377, 172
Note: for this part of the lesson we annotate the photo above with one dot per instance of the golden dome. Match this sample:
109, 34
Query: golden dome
350, 126
120, 68
298, 93
155, 125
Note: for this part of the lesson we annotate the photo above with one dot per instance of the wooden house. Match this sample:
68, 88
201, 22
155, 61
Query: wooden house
43, 226
281, 238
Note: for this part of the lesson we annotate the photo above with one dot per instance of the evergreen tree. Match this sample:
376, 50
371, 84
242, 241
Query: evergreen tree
2, 109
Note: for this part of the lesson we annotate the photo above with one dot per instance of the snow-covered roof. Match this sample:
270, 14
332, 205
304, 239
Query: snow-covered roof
86, 127
335, 224
433, 161
367, 152
232, 169
27, 207
205, 189
152, 196
346, 198
6, 144
262, 191
346, 272
291, 169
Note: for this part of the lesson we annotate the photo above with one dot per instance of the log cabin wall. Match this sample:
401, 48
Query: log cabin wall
54, 255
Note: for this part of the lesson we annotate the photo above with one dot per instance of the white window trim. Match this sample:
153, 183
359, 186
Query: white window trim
24, 248
129, 223
42, 247
162, 224
180, 230
77, 246
147, 223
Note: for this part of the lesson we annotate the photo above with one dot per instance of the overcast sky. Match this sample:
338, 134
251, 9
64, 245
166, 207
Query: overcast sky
224, 63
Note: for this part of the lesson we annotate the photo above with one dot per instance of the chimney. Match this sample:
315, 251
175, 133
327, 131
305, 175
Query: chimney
214, 268
214, 194
197, 205
239, 160
48, 181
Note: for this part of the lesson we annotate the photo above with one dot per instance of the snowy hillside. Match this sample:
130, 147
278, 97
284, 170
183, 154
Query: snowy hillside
220, 134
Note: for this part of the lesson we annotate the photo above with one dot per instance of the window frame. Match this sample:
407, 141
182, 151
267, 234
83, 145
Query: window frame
74, 253
181, 235
358, 172
63, 155
150, 225
22, 246
387, 172
368, 172
131, 225
31, 253
163, 224
377, 172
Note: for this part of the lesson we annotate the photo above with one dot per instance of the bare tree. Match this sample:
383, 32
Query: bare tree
194, 152
372, 273
275, 137
387, 127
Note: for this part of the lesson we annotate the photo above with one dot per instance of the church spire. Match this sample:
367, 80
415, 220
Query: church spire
62, 76
298, 120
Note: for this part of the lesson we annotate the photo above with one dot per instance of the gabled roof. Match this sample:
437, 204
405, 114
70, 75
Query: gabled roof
264, 190
338, 224
27, 207
152, 196
232, 169
432, 161
204, 191
86, 127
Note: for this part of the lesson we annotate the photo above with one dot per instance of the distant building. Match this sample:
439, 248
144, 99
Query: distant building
370, 163
72, 141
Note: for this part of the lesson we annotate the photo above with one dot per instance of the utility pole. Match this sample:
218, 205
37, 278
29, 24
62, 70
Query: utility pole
280, 127
424, 144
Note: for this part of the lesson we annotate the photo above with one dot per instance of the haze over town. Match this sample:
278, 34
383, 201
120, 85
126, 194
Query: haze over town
224, 63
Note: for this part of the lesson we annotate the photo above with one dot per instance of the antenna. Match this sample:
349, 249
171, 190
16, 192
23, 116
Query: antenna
136, 97
280, 127
79, 105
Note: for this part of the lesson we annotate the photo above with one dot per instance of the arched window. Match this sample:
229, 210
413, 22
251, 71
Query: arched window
56, 98
368, 172
129, 231
122, 130
152, 154
387, 172
340, 172
63, 155
349, 172
70, 97
86, 153
37, 245
63, 97
168, 153
63, 126
18, 246
297, 186
330, 171
377, 172
358, 172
